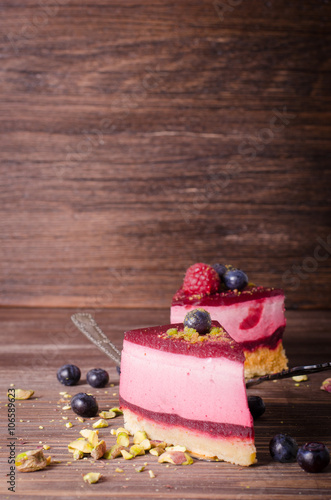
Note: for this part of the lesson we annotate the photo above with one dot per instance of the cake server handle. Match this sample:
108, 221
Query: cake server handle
87, 325
291, 372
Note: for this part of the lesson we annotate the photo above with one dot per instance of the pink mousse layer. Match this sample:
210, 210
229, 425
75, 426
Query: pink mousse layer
208, 389
250, 320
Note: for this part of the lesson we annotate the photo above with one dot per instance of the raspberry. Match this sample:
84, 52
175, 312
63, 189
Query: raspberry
201, 278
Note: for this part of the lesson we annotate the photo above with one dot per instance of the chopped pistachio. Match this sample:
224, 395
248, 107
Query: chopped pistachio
139, 436
78, 455
68, 425
176, 458
157, 451
155, 443
46, 447
116, 410
80, 419
80, 444
107, 414
99, 450
300, 378
66, 407
113, 432
48, 460
119, 470
31, 461
172, 331
126, 455
91, 436
92, 477
137, 449
151, 474
99, 424
23, 394
114, 452
140, 469
40, 427
176, 448
123, 439
146, 444
326, 385
122, 429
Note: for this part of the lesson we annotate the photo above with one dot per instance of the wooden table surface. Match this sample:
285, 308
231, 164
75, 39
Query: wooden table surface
139, 137
36, 342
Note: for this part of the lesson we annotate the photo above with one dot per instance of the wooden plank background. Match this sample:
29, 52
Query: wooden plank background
140, 137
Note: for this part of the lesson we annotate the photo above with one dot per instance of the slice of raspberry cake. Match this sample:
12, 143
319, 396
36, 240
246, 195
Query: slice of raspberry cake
187, 388
252, 315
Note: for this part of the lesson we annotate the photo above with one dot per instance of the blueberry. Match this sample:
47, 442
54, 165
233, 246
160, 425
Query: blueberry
235, 279
68, 374
220, 269
313, 457
97, 377
199, 319
84, 405
256, 406
283, 448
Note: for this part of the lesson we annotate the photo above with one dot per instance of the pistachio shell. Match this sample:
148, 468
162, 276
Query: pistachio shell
31, 461
92, 477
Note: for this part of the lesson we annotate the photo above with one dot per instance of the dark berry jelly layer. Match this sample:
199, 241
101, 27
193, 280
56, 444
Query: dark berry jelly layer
226, 298
156, 338
271, 342
214, 429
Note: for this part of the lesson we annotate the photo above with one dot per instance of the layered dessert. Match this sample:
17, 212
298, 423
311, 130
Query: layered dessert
252, 315
187, 388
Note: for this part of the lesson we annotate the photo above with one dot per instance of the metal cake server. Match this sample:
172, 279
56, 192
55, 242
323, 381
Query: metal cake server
87, 325
291, 372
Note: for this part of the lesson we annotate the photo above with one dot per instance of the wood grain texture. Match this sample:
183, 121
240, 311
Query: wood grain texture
139, 138
43, 339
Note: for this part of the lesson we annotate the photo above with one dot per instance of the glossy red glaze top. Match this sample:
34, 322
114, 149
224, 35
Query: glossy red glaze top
156, 338
226, 298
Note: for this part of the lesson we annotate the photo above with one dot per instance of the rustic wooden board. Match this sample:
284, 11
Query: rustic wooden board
35, 342
140, 137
